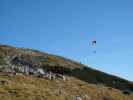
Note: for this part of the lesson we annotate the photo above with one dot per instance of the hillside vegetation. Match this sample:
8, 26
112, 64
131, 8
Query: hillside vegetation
27, 74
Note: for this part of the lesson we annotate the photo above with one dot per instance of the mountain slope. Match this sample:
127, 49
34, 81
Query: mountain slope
39, 76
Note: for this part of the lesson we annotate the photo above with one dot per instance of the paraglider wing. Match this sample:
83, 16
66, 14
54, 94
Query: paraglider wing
94, 43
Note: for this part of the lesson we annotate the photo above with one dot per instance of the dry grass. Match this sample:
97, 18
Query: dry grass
31, 88
85, 83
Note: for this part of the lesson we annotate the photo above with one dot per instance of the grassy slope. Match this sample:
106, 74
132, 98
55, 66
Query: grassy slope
32, 88
80, 80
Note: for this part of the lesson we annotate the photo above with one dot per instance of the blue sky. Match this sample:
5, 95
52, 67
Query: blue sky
65, 27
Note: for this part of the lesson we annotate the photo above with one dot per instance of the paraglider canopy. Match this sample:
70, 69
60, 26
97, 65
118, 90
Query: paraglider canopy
93, 43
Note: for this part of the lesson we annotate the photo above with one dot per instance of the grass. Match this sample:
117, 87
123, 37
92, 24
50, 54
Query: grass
81, 81
32, 88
